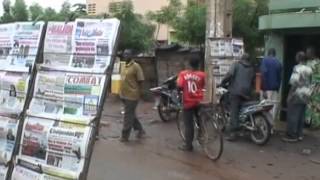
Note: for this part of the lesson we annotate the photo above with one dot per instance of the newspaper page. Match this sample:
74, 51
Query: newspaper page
8, 135
13, 90
3, 172
93, 43
90, 45
72, 97
57, 45
6, 42
24, 46
23, 173
54, 144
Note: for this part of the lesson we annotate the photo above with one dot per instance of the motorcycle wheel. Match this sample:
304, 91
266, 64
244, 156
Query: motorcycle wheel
166, 114
262, 132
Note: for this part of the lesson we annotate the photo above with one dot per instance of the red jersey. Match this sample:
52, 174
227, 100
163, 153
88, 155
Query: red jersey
192, 83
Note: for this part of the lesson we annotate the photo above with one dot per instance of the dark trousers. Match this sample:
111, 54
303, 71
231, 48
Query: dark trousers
235, 104
295, 119
188, 115
130, 119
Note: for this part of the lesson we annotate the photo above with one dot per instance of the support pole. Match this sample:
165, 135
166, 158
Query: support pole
219, 25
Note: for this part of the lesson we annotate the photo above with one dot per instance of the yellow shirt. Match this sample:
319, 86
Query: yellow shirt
130, 78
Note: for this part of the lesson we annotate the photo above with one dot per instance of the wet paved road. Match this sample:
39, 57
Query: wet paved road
157, 157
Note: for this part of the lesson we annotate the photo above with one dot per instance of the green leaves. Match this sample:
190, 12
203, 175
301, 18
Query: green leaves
188, 22
19, 11
245, 22
136, 32
35, 11
191, 26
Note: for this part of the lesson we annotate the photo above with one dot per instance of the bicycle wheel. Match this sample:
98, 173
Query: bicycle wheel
180, 125
212, 137
220, 116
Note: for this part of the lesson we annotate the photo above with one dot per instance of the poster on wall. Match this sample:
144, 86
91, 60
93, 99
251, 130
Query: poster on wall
54, 144
226, 47
13, 90
24, 41
85, 45
67, 96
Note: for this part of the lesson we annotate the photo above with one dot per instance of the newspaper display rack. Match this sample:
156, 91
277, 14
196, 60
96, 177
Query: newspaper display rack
19, 49
62, 118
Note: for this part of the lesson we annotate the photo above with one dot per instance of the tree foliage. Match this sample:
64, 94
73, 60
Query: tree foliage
188, 22
36, 11
190, 27
49, 14
167, 14
6, 17
19, 11
245, 22
135, 32
65, 11
80, 9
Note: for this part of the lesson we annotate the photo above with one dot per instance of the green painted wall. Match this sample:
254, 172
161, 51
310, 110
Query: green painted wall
289, 20
292, 4
275, 40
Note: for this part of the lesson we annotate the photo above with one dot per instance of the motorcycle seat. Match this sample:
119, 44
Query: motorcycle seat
250, 103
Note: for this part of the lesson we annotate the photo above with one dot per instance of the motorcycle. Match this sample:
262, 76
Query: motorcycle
169, 101
254, 117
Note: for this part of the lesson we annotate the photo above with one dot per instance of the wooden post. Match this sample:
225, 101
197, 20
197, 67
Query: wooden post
219, 25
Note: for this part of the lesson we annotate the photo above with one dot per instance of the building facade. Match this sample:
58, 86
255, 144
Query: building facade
291, 26
96, 7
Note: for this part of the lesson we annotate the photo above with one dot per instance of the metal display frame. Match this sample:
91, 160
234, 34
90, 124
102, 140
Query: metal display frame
21, 116
96, 121
94, 124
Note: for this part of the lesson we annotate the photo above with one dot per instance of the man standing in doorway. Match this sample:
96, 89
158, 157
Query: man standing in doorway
298, 98
191, 82
131, 84
271, 73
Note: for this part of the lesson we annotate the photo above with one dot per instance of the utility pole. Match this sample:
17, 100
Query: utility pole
219, 25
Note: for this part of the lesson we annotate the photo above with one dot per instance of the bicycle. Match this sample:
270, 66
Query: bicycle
211, 137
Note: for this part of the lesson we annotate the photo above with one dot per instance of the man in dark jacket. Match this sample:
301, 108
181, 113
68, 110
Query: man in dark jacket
240, 80
271, 72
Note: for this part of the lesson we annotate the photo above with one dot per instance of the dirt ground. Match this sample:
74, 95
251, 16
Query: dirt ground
157, 156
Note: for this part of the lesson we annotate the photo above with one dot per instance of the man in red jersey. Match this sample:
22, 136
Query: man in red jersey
192, 83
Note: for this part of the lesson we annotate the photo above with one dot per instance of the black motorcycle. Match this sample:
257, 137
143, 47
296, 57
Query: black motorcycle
169, 101
255, 118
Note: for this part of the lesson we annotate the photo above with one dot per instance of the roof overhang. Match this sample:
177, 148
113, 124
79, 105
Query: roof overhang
275, 5
289, 21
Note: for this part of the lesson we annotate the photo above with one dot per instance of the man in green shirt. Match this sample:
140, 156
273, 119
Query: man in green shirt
132, 78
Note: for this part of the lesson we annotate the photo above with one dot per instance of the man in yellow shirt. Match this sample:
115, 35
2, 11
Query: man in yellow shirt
132, 78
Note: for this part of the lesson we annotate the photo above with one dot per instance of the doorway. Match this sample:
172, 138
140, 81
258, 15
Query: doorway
293, 44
